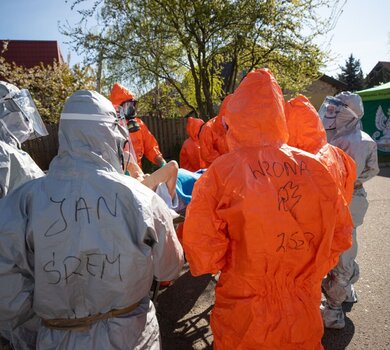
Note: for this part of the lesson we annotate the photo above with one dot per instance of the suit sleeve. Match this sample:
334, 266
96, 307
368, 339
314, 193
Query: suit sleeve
184, 163
206, 142
151, 148
205, 234
350, 176
16, 264
4, 172
168, 257
342, 237
371, 168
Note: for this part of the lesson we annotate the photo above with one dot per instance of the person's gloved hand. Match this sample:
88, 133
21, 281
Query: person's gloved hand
160, 161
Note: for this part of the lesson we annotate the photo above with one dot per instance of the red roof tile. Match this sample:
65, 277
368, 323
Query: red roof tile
30, 53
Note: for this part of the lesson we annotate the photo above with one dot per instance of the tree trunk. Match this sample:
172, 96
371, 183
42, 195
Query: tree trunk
99, 71
198, 92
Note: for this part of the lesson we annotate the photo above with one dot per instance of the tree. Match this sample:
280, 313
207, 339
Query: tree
159, 41
167, 104
352, 74
49, 85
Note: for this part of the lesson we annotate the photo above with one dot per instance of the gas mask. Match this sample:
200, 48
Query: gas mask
19, 115
329, 110
15, 123
338, 117
129, 112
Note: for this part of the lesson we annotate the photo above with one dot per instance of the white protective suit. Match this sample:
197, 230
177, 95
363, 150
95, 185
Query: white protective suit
341, 117
86, 239
19, 121
18, 118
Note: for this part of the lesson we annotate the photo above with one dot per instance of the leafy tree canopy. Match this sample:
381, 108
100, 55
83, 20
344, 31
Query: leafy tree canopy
49, 85
189, 43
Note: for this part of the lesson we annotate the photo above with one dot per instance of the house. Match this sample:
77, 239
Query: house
324, 86
380, 74
31, 53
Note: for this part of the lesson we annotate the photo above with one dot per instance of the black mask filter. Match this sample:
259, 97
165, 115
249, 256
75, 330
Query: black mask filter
129, 111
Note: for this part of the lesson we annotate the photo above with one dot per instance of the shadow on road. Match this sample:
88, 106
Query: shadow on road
182, 321
339, 339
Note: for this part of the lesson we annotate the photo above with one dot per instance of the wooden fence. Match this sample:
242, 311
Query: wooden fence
170, 134
43, 149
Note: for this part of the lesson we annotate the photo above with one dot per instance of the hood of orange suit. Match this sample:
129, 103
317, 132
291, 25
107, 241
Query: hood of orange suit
222, 108
304, 125
120, 94
193, 127
255, 112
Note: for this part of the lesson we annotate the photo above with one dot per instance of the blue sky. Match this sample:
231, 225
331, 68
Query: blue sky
363, 28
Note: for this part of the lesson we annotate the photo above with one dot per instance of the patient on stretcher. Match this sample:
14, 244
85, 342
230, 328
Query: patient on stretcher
172, 184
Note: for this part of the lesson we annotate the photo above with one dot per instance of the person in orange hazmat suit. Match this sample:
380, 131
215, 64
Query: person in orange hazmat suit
143, 141
212, 137
265, 215
190, 158
306, 132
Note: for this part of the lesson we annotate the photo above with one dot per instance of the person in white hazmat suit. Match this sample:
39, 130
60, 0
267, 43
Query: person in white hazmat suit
19, 122
81, 245
341, 118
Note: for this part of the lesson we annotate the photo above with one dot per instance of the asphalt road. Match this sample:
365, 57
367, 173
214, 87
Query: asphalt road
184, 307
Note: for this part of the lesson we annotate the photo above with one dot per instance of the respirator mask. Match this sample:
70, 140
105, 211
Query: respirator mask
329, 111
128, 108
20, 117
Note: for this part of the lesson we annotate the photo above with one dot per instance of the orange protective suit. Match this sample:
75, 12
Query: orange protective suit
307, 133
190, 158
212, 137
145, 144
265, 215
120, 94
143, 141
